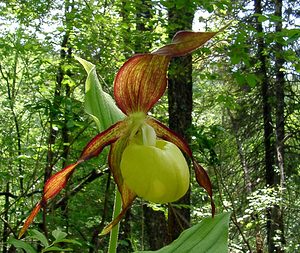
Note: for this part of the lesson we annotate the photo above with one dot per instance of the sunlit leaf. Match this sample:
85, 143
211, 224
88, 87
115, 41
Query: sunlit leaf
98, 103
58, 234
39, 236
209, 236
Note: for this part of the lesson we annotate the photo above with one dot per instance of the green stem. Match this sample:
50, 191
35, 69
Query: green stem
113, 240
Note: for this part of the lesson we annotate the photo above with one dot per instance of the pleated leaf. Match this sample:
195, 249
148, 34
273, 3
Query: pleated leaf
98, 104
209, 236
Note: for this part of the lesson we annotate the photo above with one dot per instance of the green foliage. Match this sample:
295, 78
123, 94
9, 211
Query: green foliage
58, 236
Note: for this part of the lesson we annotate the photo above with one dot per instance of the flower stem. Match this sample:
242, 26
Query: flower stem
113, 240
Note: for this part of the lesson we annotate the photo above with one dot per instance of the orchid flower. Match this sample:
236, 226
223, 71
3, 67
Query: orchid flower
145, 156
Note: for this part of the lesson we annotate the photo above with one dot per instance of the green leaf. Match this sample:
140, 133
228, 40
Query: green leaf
58, 234
251, 79
98, 104
274, 18
262, 18
22, 245
39, 236
209, 236
297, 67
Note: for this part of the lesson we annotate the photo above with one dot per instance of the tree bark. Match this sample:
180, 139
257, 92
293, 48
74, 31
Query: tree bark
55, 110
5, 233
154, 221
180, 100
274, 214
156, 228
277, 212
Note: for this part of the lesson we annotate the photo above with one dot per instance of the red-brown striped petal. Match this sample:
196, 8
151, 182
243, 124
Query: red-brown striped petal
204, 181
103, 139
125, 207
140, 82
114, 160
166, 133
185, 42
57, 182
29, 219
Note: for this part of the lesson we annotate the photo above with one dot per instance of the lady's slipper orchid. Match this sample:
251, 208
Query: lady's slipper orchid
145, 157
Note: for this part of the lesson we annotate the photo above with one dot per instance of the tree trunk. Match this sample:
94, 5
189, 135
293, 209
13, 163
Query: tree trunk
5, 233
274, 214
154, 221
55, 110
180, 99
156, 228
277, 212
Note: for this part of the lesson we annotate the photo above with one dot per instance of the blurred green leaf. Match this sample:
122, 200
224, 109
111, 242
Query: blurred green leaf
39, 236
58, 234
22, 245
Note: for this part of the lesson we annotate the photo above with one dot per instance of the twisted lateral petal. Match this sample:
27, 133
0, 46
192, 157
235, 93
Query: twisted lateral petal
185, 42
166, 133
59, 180
109, 227
30, 218
204, 181
201, 176
140, 82
52, 187
128, 196
103, 139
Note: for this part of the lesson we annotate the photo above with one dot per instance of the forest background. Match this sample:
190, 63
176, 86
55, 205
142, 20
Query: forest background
236, 100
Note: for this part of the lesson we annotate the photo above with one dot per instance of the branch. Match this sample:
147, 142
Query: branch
13, 196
